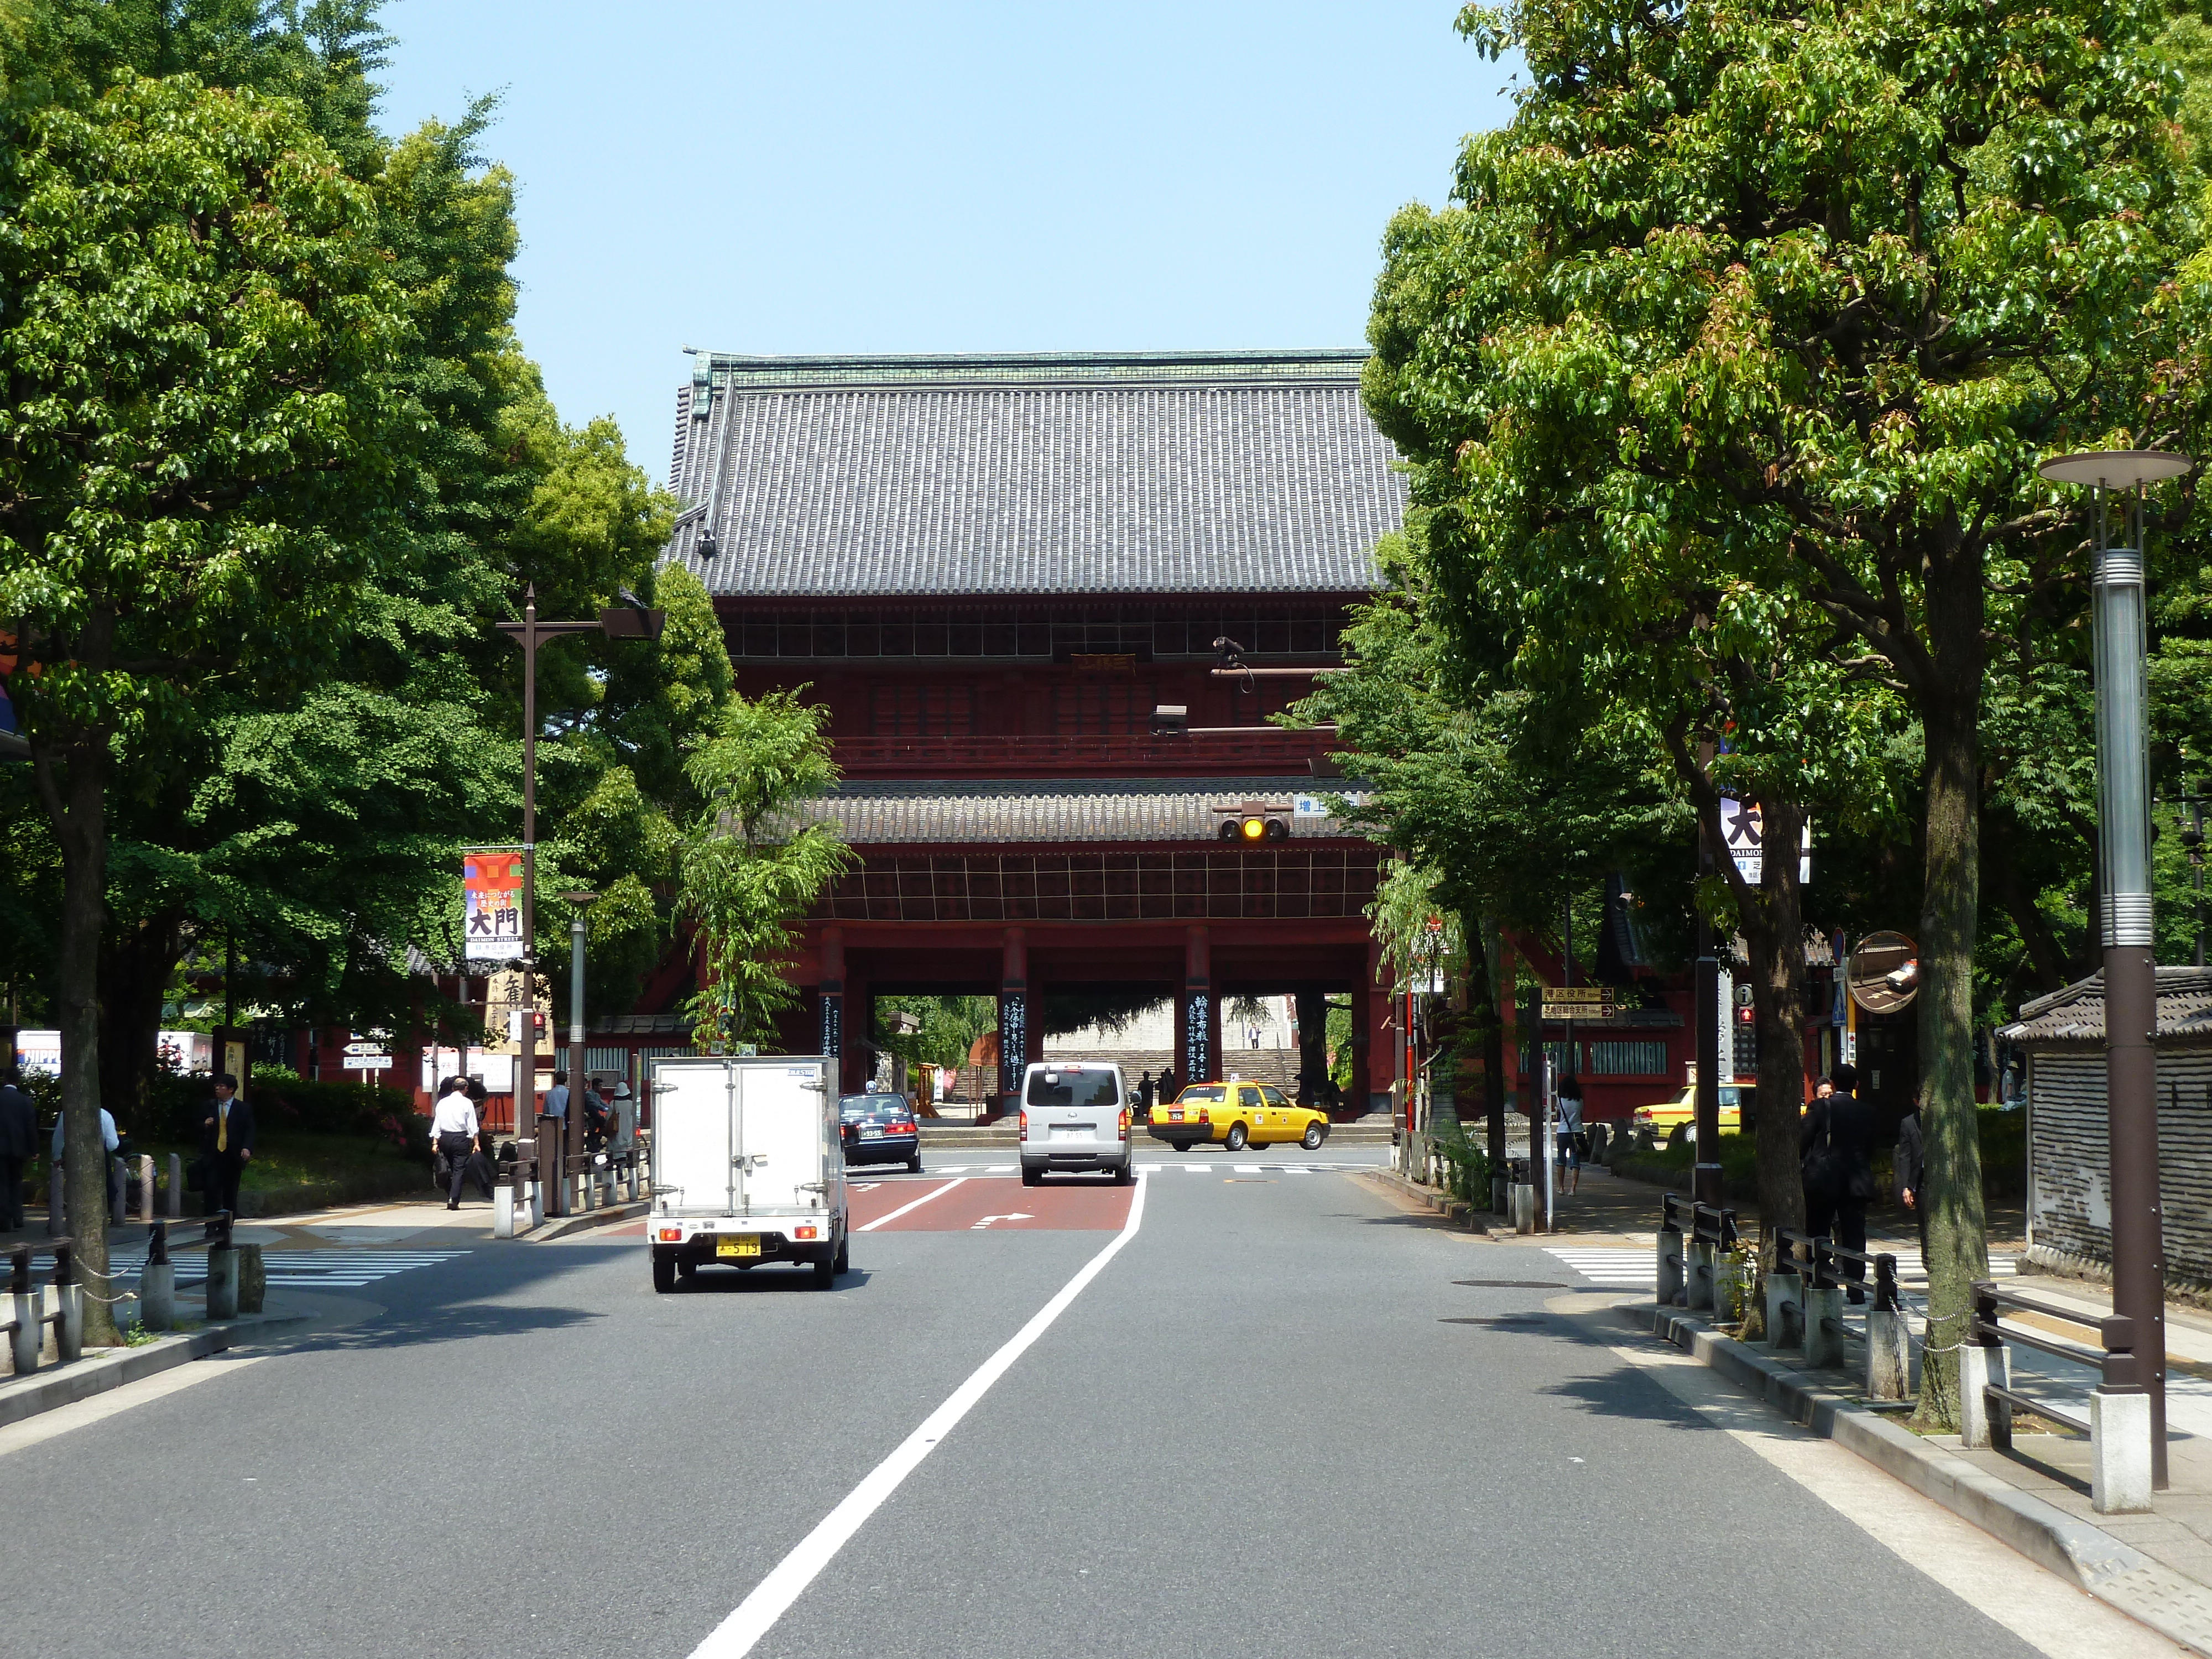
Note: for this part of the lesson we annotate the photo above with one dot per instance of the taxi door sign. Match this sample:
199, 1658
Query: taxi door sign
491, 903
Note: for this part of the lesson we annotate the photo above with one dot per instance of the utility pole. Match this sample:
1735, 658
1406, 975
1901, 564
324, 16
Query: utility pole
629, 621
582, 901
2124, 853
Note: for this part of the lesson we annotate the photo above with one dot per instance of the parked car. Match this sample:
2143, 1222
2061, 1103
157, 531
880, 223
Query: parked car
1235, 1115
1663, 1117
879, 1129
1075, 1117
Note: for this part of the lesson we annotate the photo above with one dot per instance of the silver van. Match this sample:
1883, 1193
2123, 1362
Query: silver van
1075, 1117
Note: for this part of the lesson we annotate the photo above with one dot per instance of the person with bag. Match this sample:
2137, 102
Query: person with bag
226, 1146
453, 1133
1836, 1146
1567, 1130
19, 1145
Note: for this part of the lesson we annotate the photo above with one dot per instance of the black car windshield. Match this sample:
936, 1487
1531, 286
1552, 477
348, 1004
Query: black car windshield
871, 1106
1085, 1088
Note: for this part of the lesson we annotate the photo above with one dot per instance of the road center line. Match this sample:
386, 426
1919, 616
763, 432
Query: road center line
735, 1637
869, 1227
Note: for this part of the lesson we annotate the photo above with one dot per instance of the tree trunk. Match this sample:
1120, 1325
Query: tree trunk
136, 962
81, 829
1958, 1238
1490, 1033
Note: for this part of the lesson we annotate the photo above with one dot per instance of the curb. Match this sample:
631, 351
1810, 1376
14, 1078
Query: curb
2149, 1591
47, 1389
546, 1231
1452, 1209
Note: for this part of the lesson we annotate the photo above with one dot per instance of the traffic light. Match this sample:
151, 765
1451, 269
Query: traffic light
1253, 822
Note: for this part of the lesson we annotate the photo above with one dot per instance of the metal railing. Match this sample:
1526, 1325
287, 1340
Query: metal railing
591, 1180
1692, 1239
2118, 1417
1805, 1310
32, 1307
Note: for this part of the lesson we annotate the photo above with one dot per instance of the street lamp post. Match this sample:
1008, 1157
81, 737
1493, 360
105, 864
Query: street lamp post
2124, 854
628, 621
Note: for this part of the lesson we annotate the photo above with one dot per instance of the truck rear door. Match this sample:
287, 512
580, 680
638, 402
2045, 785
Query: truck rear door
787, 1145
691, 1137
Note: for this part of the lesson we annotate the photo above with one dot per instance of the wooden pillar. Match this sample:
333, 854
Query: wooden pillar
1313, 1042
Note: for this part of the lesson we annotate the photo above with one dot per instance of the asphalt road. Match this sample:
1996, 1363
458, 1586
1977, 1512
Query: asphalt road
1273, 1423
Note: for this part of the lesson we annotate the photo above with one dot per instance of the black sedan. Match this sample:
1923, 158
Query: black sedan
880, 1129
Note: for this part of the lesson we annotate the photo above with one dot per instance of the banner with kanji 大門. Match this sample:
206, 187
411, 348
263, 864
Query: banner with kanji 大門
491, 903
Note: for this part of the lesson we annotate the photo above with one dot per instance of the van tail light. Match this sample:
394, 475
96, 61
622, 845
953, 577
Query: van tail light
1025, 1126
1125, 1123
805, 1232
671, 1235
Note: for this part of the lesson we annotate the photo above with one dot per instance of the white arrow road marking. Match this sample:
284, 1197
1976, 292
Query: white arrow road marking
870, 1227
735, 1637
1017, 1216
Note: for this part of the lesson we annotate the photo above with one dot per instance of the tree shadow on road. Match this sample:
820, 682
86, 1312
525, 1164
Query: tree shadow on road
465, 1322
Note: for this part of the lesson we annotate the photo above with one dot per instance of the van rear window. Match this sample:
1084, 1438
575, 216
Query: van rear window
1085, 1088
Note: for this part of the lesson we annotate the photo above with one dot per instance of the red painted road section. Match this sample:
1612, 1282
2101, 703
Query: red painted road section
1056, 1206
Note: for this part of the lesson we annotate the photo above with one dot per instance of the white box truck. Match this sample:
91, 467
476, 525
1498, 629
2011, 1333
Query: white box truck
748, 1166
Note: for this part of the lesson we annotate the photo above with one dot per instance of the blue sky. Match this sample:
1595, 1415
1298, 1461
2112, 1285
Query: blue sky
802, 177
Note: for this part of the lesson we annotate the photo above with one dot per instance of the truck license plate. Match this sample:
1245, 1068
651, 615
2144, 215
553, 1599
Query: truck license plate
737, 1244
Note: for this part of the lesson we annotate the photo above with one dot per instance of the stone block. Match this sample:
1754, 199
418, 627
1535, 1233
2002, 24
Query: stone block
2119, 1450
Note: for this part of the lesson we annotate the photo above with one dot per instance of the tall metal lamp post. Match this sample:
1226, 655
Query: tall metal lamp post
2117, 477
630, 621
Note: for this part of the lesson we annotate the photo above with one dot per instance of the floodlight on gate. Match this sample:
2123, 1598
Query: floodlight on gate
1171, 719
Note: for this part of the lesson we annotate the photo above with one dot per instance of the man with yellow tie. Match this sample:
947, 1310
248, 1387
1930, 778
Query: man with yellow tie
225, 1145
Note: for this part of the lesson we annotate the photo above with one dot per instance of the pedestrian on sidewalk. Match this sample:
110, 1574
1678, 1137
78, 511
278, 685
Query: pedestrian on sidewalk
108, 1138
1836, 1146
454, 1131
1911, 1161
1567, 1132
226, 1146
1168, 1089
19, 1145
1145, 1094
556, 1099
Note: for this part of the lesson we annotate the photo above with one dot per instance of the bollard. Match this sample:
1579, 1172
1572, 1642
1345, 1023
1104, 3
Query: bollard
175, 1207
157, 1296
1703, 1254
1667, 1285
1524, 1209
1824, 1324
1983, 1421
146, 1187
2119, 1451
29, 1335
536, 1203
1889, 1358
503, 1210
252, 1281
1785, 1310
68, 1307
222, 1282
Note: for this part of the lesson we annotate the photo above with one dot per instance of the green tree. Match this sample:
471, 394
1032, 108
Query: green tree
1835, 278
753, 862
197, 454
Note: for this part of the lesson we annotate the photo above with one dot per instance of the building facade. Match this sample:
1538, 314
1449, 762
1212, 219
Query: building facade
991, 570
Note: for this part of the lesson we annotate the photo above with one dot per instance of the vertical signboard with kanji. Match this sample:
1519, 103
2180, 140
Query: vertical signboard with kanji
491, 903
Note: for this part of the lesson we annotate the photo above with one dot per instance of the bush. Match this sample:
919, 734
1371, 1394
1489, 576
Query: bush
1467, 1165
285, 1105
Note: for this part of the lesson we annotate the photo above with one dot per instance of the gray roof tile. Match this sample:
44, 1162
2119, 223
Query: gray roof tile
1009, 812
1127, 473
2076, 1014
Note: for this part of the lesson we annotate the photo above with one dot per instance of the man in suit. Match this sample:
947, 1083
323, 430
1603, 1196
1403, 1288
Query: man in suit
1836, 1144
226, 1143
19, 1145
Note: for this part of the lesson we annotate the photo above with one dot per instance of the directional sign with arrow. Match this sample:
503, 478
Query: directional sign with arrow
988, 1219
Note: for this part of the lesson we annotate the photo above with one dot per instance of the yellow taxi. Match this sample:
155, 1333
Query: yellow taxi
1235, 1115
1665, 1117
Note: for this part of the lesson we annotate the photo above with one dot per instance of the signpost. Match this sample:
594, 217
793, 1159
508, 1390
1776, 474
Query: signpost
1573, 1002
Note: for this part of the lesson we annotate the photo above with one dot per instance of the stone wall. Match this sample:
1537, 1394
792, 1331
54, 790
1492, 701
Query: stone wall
2069, 1209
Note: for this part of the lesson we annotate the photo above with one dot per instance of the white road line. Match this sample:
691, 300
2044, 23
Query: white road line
1002, 1169
1247, 1169
1196, 1168
753, 1617
869, 1227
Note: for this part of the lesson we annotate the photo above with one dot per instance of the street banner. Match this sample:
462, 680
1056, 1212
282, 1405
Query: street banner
491, 903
